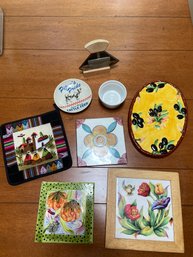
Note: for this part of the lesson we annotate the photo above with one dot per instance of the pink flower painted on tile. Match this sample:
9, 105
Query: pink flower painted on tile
119, 121
123, 159
131, 212
79, 122
81, 162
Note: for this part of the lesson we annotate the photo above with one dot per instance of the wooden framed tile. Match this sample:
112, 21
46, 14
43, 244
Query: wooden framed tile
144, 211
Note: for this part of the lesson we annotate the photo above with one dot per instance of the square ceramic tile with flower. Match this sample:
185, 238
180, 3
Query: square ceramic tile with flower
100, 141
144, 209
65, 213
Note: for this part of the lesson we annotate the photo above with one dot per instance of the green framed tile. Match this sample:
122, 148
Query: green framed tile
66, 212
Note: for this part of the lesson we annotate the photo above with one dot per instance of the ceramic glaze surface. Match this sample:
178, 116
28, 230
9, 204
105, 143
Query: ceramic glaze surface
100, 141
111, 97
72, 95
157, 119
112, 93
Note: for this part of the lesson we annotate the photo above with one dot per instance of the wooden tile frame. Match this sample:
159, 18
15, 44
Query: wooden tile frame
144, 245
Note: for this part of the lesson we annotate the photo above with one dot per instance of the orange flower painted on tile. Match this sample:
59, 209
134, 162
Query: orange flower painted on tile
70, 211
100, 141
56, 200
159, 190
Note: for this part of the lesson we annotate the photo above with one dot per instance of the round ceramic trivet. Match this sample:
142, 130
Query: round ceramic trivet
157, 119
72, 95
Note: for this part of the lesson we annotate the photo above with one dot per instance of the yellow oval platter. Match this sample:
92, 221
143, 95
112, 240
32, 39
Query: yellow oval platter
157, 119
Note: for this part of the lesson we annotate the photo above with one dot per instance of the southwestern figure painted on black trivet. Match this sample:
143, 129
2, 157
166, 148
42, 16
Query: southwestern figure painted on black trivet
157, 119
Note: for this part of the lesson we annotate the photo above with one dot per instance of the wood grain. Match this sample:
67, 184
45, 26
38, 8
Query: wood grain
20, 220
24, 195
44, 45
35, 74
95, 8
97, 175
73, 33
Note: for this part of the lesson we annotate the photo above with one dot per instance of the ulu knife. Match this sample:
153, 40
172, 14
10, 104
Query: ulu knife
99, 59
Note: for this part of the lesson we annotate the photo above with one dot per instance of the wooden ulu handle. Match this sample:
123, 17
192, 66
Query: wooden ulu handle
97, 45
95, 70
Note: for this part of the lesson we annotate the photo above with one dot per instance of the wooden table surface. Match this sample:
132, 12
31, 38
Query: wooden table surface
43, 45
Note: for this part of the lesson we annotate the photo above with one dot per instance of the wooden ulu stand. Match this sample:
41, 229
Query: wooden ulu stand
99, 59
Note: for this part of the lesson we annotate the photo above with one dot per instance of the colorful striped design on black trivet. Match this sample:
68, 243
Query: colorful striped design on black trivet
9, 150
59, 140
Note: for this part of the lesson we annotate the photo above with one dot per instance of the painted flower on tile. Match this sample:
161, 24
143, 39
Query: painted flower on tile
56, 200
123, 159
159, 190
128, 188
119, 121
131, 212
65, 213
79, 122
100, 141
143, 189
154, 215
53, 227
81, 162
70, 211
161, 203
